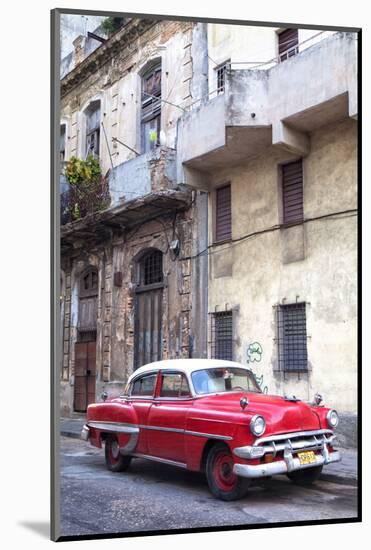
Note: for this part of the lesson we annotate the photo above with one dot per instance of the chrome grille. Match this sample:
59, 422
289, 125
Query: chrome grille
296, 441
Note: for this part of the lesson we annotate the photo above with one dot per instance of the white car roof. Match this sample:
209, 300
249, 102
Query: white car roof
186, 365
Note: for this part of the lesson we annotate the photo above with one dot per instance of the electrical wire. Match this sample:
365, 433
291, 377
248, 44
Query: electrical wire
209, 250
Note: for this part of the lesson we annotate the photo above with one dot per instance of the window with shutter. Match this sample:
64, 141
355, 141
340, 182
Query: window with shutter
62, 143
223, 214
93, 129
292, 192
288, 43
151, 109
292, 338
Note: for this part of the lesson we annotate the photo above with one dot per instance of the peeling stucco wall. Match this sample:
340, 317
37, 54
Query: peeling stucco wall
118, 83
258, 278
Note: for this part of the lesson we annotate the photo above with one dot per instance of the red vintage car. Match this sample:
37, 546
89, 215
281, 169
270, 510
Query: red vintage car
211, 415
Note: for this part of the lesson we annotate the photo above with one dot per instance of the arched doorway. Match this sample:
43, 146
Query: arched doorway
85, 347
148, 309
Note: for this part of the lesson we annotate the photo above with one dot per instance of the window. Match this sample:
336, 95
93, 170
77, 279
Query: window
222, 379
62, 143
92, 129
174, 385
221, 71
89, 282
287, 44
151, 268
292, 192
223, 214
88, 303
292, 338
222, 335
144, 386
151, 109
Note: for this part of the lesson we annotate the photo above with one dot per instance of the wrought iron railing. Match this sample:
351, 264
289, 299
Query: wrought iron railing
78, 201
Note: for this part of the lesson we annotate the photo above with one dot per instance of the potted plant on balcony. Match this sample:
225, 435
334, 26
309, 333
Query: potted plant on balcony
88, 189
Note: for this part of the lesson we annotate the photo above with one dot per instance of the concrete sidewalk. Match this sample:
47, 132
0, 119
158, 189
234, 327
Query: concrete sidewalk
71, 427
344, 472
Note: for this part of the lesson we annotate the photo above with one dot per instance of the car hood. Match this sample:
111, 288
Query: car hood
281, 415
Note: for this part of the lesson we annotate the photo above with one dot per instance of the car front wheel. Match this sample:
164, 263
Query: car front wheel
223, 482
305, 477
115, 461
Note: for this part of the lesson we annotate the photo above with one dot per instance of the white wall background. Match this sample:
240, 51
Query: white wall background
25, 270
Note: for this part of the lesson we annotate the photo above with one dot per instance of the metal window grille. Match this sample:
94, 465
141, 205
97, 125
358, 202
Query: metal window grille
152, 268
288, 44
292, 337
222, 335
220, 77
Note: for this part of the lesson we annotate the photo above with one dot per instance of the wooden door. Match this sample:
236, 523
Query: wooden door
85, 370
148, 324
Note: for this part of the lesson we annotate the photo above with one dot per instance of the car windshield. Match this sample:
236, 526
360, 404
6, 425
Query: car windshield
224, 379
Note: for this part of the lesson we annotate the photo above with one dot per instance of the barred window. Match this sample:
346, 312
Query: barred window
222, 335
221, 71
151, 268
292, 338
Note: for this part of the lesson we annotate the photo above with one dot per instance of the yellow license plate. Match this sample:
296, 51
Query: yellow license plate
307, 457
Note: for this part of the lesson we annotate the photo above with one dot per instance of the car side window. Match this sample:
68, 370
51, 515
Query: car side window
174, 385
144, 386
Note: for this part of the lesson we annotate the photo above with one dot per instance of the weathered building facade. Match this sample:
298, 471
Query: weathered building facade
277, 154
126, 285
231, 162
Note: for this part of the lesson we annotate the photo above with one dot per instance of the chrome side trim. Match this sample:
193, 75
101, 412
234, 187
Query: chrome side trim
122, 427
119, 427
210, 436
291, 435
161, 429
157, 459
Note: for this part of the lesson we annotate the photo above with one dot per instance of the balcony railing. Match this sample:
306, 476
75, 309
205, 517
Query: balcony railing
77, 201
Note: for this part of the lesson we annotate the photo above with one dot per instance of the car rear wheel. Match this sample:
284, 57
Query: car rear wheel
223, 482
115, 461
305, 477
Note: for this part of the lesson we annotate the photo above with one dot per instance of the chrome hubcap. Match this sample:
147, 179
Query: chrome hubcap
115, 449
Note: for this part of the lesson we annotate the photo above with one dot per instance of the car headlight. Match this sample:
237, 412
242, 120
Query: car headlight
257, 425
332, 418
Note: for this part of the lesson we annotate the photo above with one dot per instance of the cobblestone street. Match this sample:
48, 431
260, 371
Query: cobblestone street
153, 496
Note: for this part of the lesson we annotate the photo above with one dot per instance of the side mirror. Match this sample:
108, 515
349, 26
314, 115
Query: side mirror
104, 395
317, 400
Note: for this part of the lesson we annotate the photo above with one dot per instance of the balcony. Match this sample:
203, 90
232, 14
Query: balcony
279, 106
148, 173
152, 172
134, 192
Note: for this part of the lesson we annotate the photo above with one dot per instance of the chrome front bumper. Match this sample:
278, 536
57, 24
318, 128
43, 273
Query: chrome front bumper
290, 444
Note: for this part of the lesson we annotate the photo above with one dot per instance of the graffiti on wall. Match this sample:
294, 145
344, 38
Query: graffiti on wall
254, 354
